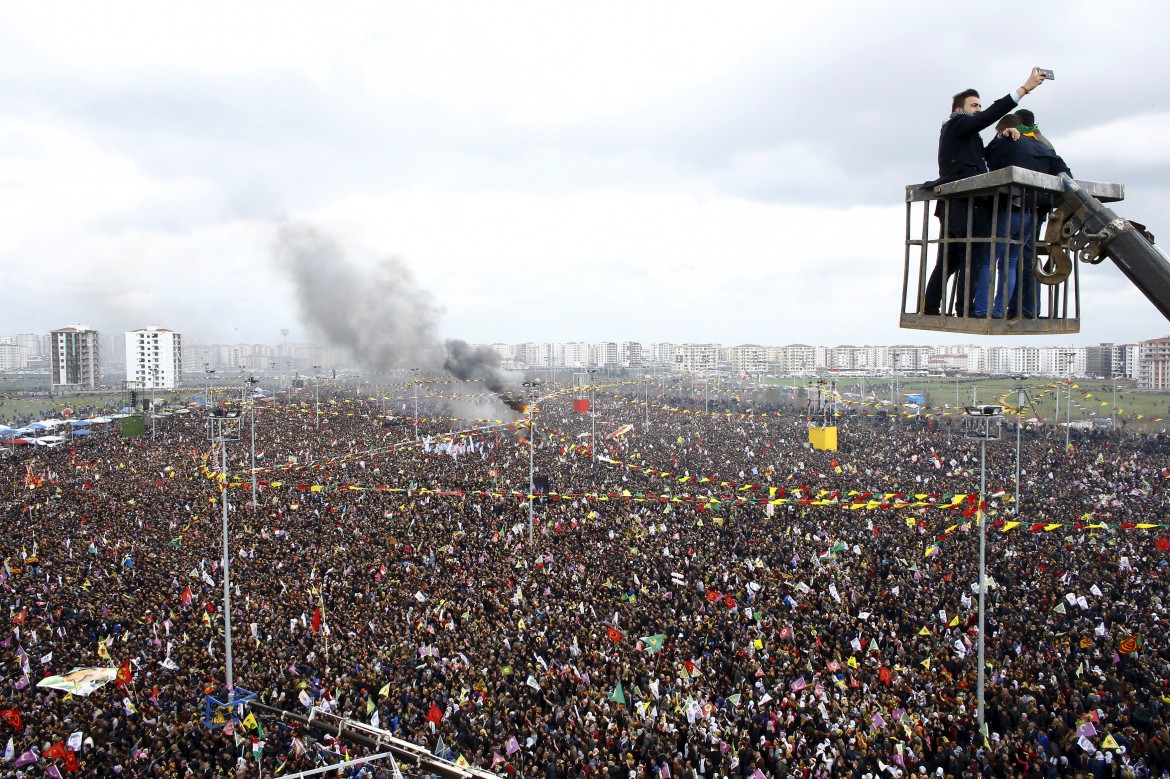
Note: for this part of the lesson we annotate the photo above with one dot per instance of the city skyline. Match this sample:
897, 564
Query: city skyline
159, 354
713, 174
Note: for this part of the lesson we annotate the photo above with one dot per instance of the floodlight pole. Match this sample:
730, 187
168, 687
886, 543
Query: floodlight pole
414, 388
531, 409
593, 414
219, 421
1021, 396
252, 381
982, 578
979, 421
317, 396
227, 562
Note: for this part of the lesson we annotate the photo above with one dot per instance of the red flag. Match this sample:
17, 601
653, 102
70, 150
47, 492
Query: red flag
317, 620
56, 752
1163, 544
186, 597
730, 601
712, 596
13, 718
71, 762
435, 715
885, 676
125, 674
19, 618
614, 634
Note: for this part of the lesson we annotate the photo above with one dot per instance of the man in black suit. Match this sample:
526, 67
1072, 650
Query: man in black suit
960, 154
1019, 216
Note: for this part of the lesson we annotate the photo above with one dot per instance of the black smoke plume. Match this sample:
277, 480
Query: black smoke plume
382, 318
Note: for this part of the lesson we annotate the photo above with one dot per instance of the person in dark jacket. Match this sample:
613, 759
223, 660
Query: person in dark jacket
960, 154
1018, 218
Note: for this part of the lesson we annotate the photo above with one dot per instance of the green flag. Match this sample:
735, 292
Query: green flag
617, 696
1059, 608
653, 643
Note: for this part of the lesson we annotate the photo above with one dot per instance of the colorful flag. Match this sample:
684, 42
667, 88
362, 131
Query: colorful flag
13, 718
125, 674
56, 751
28, 757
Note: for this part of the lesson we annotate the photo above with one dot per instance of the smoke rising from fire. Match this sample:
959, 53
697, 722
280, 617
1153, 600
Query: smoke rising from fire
382, 318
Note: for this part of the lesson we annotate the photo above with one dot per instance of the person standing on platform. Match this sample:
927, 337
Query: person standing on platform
960, 154
1018, 216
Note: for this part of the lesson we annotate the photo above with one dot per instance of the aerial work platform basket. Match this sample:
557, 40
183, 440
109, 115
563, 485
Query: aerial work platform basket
1033, 269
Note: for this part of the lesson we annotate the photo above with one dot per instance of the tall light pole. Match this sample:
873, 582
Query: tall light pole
982, 423
532, 387
153, 385
317, 396
1021, 400
414, 388
252, 381
225, 423
1113, 410
647, 387
593, 414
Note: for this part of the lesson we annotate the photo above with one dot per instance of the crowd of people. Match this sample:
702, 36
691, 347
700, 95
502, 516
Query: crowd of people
700, 596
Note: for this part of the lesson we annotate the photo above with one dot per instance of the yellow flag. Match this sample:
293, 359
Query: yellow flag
926, 663
954, 622
1109, 742
924, 631
385, 690
250, 721
851, 662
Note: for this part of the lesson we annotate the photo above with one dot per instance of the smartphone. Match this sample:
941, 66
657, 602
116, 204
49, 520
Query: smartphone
1047, 74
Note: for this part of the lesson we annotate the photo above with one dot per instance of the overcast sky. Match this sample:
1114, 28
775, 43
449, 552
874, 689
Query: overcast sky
548, 171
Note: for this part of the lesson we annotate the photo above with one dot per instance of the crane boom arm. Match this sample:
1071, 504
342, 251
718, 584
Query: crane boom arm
1085, 221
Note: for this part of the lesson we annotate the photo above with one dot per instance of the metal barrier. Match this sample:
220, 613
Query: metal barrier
978, 259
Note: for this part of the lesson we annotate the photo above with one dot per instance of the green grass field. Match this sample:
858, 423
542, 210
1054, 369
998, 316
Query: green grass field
1090, 397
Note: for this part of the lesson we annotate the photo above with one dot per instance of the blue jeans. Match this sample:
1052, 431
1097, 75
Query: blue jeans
1007, 264
954, 257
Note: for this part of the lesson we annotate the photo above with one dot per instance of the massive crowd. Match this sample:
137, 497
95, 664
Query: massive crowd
706, 598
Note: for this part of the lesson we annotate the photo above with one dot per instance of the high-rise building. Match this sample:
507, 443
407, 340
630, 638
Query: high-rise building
1154, 364
154, 358
75, 354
